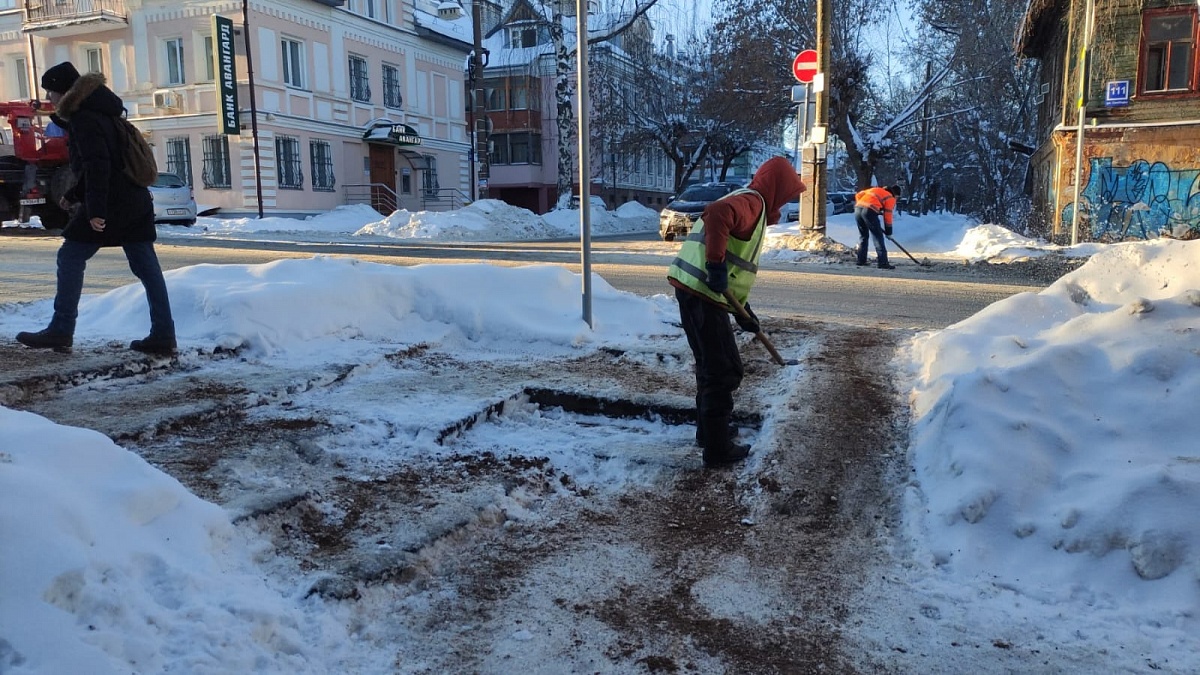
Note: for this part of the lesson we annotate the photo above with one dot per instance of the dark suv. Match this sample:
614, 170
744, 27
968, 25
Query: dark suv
677, 217
843, 202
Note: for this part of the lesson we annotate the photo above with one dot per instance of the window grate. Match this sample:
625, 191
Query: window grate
429, 178
216, 172
391, 87
179, 157
321, 158
287, 156
360, 87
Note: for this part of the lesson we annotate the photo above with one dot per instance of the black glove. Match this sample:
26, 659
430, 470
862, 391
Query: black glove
887, 230
718, 276
748, 323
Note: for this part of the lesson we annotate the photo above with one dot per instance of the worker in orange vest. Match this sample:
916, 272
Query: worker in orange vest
868, 205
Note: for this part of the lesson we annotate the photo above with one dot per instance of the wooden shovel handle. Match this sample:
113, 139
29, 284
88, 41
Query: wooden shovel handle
766, 342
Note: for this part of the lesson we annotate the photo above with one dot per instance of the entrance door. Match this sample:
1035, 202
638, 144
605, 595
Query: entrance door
383, 178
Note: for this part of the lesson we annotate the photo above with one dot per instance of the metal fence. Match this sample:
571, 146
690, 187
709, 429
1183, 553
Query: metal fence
37, 11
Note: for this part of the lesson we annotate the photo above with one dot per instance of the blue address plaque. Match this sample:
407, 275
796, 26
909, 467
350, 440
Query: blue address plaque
1116, 93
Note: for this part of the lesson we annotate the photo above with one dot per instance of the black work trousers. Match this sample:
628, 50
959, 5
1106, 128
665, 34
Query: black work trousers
719, 368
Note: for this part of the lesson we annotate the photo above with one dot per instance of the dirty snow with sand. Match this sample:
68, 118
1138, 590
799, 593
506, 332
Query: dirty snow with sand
1055, 471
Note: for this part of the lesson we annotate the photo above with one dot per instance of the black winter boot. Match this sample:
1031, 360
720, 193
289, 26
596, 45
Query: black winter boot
44, 339
734, 432
719, 448
735, 453
155, 344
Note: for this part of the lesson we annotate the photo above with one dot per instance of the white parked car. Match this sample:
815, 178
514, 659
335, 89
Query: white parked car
174, 201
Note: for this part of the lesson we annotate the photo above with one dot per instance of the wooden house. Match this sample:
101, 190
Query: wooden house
1140, 163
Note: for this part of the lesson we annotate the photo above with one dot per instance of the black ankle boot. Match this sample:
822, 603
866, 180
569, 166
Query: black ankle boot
734, 432
155, 344
44, 339
731, 454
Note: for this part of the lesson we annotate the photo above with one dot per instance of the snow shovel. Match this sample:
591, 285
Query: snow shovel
923, 262
766, 342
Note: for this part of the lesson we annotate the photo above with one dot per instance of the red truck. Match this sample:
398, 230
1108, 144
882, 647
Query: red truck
34, 172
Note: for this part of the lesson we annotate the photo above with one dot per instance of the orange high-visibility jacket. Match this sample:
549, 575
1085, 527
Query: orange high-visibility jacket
878, 200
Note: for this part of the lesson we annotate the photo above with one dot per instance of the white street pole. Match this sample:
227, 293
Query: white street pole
1083, 66
585, 174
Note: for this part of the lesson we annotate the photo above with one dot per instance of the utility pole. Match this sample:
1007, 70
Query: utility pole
479, 106
814, 150
925, 206
1083, 66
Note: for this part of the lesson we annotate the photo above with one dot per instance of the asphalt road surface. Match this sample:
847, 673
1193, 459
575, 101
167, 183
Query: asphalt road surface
908, 297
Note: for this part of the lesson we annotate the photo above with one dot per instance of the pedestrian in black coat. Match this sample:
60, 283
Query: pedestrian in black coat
107, 209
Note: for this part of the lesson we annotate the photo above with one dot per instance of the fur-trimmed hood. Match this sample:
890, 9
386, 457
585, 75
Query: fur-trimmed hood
89, 93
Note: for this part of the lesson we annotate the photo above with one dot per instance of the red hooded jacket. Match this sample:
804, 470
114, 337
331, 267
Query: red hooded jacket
776, 180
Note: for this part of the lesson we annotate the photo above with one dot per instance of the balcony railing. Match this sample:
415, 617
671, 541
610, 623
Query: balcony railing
66, 17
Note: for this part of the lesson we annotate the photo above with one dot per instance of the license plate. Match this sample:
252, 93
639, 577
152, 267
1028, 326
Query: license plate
176, 212
33, 202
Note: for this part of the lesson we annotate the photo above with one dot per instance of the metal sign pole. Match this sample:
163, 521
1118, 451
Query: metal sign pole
585, 180
253, 106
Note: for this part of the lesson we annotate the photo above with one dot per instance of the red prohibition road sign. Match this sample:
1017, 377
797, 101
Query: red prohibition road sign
805, 66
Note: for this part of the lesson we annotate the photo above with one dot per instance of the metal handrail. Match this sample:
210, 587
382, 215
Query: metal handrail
444, 199
378, 196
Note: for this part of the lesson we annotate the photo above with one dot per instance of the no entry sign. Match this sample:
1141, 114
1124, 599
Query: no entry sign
805, 66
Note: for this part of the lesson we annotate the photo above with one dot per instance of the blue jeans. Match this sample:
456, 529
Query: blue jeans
72, 261
868, 226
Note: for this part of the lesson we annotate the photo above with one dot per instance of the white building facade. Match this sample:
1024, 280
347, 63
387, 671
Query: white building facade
356, 100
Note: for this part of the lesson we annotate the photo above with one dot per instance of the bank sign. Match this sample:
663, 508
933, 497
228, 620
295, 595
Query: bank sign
223, 66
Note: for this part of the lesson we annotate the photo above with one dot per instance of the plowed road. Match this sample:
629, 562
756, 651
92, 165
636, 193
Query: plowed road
908, 297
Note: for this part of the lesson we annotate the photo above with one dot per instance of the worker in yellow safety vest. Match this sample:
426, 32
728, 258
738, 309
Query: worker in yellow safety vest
869, 205
721, 255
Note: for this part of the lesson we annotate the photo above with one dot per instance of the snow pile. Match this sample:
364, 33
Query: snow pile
342, 219
492, 220
1054, 439
34, 223
483, 220
111, 566
298, 304
992, 242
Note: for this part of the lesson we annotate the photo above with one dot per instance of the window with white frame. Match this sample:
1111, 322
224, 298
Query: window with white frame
174, 48
360, 85
522, 35
391, 87
21, 70
94, 60
287, 157
369, 9
179, 157
321, 160
293, 63
210, 75
215, 173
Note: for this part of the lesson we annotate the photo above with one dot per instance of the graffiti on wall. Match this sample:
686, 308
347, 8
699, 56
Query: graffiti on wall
1141, 201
